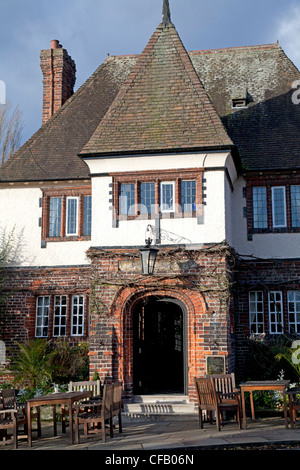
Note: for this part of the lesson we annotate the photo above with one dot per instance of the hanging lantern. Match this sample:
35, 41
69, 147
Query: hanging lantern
148, 256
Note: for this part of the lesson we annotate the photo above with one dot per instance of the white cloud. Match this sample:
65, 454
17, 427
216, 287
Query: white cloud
288, 33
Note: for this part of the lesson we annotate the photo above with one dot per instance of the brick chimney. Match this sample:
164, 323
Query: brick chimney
59, 72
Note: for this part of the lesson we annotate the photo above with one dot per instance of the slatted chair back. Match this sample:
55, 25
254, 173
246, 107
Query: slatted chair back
8, 399
206, 394
224, 384
11, 417
93, 385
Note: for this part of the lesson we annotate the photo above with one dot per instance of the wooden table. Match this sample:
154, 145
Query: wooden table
274, 385
65, 398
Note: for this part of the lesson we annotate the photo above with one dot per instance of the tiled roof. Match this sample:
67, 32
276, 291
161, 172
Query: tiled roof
52, 152
161, 106
266, 133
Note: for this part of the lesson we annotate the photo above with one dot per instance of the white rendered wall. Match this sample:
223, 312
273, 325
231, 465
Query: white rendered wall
263, 245
132, 232
20, 212
20, 209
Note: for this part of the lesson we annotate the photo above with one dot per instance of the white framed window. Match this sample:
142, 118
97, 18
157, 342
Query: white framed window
42, 316
293, 298
275, 312
256, 312
260, 212
77, 326
72, 216
278, 206
60, 315
167, 196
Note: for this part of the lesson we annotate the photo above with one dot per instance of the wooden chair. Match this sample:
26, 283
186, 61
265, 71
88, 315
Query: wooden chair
294, 404
97, 413
117, 403
225, 387
12, 417
93, 385
209, 400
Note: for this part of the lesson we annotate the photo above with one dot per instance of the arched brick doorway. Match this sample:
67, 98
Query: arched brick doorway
159, 346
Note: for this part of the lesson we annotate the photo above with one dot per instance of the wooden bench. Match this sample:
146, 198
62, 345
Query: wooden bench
93, 385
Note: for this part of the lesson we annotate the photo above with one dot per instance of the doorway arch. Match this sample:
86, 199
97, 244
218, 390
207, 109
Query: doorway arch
159, 346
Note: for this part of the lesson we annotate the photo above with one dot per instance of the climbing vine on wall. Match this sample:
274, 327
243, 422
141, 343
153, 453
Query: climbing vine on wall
205, 270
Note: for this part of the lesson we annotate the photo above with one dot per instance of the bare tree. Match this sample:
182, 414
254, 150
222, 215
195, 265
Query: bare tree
11, 126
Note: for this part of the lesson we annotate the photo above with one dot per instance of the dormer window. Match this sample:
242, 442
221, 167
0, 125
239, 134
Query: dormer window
239, 103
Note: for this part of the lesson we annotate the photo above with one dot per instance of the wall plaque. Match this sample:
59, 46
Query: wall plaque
215, 364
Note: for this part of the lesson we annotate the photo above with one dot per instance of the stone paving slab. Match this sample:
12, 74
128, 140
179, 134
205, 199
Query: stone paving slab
168, 435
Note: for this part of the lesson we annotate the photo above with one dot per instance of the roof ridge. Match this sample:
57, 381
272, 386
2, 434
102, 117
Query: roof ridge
238, 48
205, 51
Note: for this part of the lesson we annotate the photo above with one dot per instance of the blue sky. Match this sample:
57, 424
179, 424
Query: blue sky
89, 29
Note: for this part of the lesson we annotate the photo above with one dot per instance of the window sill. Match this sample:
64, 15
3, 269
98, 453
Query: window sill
67, 239
274, 230
162, 215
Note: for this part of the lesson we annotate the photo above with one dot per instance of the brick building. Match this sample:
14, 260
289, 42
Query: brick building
197, 151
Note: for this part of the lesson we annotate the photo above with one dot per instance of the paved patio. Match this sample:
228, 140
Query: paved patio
170, 434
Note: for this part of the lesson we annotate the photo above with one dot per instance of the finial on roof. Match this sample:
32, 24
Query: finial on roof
166, 15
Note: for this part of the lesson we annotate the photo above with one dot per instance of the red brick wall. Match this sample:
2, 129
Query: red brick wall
195, 278
59, 79
114, 296
260, 275
24, 285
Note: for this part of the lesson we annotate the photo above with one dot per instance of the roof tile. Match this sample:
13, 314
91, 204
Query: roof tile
162, 105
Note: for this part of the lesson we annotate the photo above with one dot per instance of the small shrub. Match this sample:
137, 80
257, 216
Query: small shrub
32, 366
69, 362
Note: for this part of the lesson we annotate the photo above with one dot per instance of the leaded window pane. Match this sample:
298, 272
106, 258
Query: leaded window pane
188, 196
55, 217
127, 199
87, 215
260, 215
147, 198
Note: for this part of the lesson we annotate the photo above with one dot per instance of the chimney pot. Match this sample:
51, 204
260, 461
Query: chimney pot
54, 44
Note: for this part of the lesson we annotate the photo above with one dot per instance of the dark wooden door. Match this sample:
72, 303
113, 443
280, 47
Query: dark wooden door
158, 348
